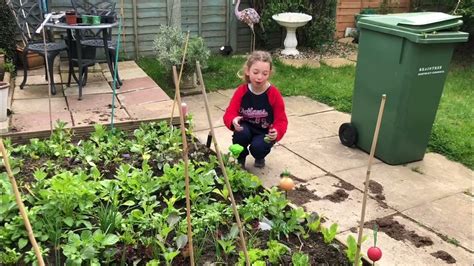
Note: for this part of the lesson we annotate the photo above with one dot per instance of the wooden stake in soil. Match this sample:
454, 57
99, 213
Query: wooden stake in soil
21, 207
185, 153
367, 178
221, 163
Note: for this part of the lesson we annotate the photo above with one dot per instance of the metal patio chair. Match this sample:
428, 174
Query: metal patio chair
29, 15
91, 38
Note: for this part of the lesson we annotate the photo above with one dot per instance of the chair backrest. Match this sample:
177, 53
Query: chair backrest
101, 7
28, 15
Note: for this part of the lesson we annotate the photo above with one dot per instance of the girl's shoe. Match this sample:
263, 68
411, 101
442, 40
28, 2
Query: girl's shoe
259, 163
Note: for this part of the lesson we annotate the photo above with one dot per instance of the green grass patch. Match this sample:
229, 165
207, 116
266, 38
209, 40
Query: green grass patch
452, 130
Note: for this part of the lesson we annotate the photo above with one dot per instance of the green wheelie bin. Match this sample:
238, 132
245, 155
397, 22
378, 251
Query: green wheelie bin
405, 56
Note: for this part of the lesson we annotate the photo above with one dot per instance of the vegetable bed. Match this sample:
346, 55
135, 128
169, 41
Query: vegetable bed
120, 199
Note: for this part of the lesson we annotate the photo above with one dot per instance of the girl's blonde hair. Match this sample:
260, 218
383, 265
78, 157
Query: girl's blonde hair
256, 56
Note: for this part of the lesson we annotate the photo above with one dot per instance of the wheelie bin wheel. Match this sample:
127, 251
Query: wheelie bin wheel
347, 134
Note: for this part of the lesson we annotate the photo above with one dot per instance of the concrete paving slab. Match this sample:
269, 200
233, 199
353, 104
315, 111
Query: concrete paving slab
38, 121
37, 80
31, 72
197, 108
301, 105
301, 129
298, 63
90, 88
436, 165
279, 160
352, 57
36, 91
200, 117
404, 252
91, 102
150, 95
126, 74
100, 116
223, 135
405, 188
451, 216
330, 121
329, 154
129, 64
345, 213
91, 77
227, 92
137, 84
214, 98
155, 110
29, 106
337, 62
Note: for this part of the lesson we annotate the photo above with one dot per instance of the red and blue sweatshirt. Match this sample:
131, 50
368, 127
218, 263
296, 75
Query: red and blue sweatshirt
262, 111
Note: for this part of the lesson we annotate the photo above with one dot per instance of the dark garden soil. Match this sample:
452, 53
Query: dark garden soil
320, 253
377, 189
443, 255
301, 195
344, 185
338, 196
397, 231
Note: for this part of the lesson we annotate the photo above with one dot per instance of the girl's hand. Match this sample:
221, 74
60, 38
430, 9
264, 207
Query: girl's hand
236, 123
272, 134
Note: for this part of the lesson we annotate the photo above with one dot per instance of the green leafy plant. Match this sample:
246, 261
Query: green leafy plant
329, 233
275, 250
314, 222
9, 256
85, 247
300, 259
351, 250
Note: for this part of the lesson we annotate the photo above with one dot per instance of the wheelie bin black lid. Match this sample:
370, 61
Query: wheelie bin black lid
421, 27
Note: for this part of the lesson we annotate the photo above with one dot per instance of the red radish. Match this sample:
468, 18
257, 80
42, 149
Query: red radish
374, 253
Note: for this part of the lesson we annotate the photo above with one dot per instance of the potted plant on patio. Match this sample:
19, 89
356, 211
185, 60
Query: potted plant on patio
169, 48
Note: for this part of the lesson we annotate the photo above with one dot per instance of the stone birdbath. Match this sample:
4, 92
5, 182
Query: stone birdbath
291, 21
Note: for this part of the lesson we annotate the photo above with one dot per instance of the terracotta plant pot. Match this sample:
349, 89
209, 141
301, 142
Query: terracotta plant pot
35, 61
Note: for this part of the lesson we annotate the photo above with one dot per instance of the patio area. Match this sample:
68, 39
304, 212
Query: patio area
139, 99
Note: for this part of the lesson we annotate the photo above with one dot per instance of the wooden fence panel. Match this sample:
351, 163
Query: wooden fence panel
347, 9
214, 20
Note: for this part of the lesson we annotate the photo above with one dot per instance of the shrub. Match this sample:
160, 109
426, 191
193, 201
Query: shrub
7, 30
169, 48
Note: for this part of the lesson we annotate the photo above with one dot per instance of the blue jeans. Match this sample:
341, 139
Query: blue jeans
253, 137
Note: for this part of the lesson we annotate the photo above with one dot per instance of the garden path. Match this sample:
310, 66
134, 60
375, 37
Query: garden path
417, 202
139, 99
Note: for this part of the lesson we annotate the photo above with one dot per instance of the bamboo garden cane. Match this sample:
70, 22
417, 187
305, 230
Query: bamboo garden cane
221, 163
185, 150
186, 169
179, 79
367, 178
41, 28
21, 206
